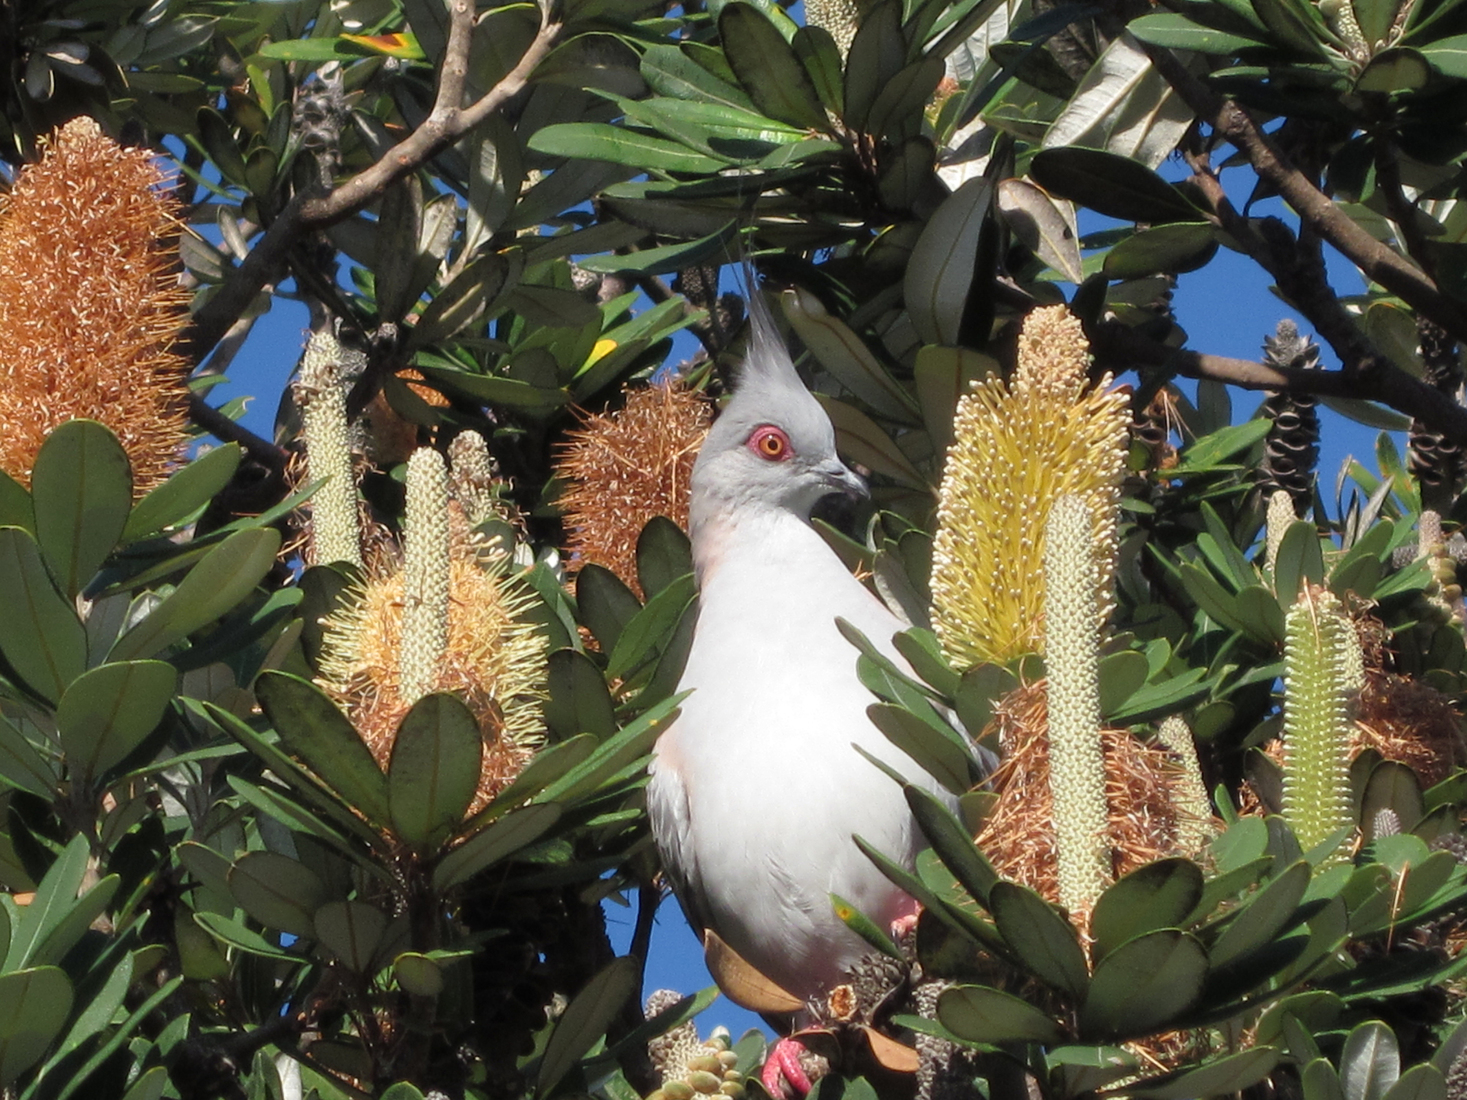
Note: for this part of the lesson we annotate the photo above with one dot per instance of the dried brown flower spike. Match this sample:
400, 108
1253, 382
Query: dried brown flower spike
90, 309
623, 468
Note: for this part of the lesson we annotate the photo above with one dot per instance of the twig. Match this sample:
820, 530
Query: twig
1373, 379
1378, 261
221, 427
446, 123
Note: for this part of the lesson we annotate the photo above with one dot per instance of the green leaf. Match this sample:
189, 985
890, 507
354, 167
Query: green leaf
1144, 984
1177, 32
940, 271
952, 843
220, 580
606, 604
54, 898
1370, 1062
515, 830
671, 72
34, 1006
768, 69
1212, 450
1399, 69
982, 1015
863, 926
1393, 787
313, 729
434, 770
41, 637
15, 505
1121, 675
351, 930
463, 300
1420, 1082
1321, 1082
235, 934
861, 439
878, 52
1448, 56
1164, 249
109, 711
818, 52
1157, 895
81, 489
74, 919
937, 753
23, 766
586, 1019
1044, 941
1270, 911
279, 892
648, 632
668, 258
218, 142
1299, 559
602, 141
183, 494
1110, 184
579, 701
1216, 1078
663, 555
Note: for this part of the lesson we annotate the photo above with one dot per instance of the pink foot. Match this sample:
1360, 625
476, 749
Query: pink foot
783, 1064
903, 927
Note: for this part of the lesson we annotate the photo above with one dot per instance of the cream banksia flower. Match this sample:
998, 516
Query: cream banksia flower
90, 308
449, 618
1017, 448
1072, 660
320, 393
1317, 727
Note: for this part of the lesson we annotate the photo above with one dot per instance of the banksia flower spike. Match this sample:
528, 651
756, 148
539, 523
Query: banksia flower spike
449, 619
90, 308
1317, 697
1072, 660
1280, 515
1194, 830
425, 569
471, 472
1017, 449
623, 468
335, 532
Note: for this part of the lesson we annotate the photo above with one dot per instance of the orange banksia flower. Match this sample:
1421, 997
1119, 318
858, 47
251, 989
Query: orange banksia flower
90, 309
625, 467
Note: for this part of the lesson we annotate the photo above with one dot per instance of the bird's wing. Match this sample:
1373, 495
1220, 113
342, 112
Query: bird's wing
672, 825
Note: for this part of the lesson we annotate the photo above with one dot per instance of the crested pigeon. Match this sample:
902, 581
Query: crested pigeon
757, 789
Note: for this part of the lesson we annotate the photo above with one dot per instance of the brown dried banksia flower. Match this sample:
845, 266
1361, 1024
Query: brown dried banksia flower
1017, 448
625, 467
90, 309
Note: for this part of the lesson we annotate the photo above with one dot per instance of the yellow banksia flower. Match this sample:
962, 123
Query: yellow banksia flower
425, 574
1017, 448
90, 307
622, 468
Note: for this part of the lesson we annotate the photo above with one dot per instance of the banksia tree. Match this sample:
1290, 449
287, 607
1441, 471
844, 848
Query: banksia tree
1317, 694
1019, 447
90, 308
623, 468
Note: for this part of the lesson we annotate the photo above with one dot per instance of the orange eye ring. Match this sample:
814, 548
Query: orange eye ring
770, 443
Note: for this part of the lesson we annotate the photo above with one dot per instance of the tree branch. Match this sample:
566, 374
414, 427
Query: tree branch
446, 123
1379, 262
1123, 348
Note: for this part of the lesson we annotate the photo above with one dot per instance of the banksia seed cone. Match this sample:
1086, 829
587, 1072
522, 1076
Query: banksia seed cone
1436, 462
1291, 448
335, 534
1317, 698
90, 309
1072, 659
1017, 448
625, 467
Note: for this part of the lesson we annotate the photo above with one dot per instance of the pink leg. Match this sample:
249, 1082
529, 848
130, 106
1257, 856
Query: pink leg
783, 1064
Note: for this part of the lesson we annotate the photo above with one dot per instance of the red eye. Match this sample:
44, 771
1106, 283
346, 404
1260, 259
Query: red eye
768, 442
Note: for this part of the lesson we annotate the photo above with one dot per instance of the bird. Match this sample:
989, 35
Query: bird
758, 787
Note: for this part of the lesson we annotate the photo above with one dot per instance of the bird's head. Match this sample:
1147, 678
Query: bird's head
773, 446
